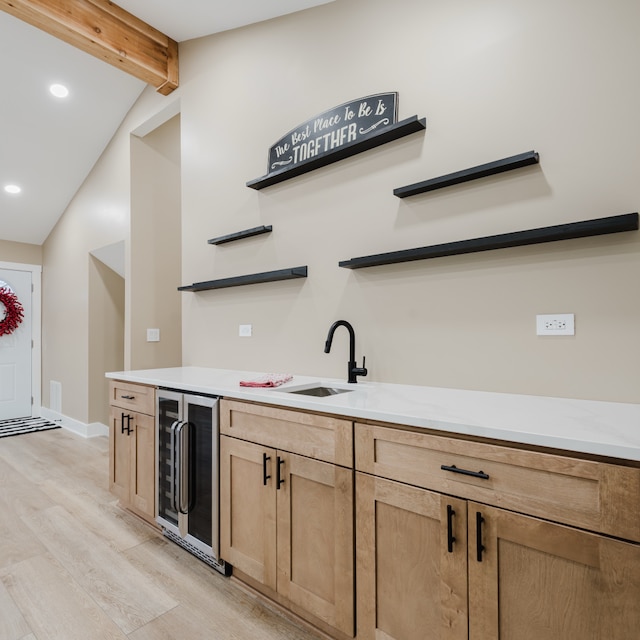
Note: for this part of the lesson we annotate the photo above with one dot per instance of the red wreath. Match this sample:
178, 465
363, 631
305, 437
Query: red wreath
14, 311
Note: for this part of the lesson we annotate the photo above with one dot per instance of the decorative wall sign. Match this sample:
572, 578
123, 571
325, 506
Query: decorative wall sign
333, 129
338, 133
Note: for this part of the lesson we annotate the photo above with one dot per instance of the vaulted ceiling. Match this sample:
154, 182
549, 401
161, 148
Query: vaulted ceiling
48, 145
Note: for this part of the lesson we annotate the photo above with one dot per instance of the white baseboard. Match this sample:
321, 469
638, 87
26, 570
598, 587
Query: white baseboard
83, 429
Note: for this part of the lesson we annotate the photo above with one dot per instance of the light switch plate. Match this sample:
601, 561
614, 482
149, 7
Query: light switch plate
153, 335
244, 330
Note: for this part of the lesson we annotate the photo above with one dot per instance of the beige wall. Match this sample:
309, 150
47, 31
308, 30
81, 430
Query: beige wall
106, 335
97, 216
20, 252
493, 79
155, 248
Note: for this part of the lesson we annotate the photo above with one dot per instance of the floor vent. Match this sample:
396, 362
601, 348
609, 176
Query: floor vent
55, 396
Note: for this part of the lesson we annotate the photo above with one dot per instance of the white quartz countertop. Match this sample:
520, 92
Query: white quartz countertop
585, 426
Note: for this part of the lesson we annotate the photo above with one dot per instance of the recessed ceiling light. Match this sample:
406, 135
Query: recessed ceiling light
12, 188
59, 90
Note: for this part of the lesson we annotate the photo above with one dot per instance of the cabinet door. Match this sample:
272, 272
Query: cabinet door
412, 578
201, 414
541, 581
248, 509
119, 455
315, 539
142, 485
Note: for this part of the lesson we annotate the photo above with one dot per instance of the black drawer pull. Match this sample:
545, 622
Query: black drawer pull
479, 546
265, 477
128, 397
450, 537
465, 472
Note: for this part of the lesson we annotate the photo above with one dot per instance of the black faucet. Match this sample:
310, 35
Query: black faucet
353, 369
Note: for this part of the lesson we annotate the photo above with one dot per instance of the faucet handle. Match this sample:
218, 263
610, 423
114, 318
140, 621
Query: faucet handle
360, 371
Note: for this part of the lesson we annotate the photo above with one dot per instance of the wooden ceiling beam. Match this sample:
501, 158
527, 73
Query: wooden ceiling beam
106, 31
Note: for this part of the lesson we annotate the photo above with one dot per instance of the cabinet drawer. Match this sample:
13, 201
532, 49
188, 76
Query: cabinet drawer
593, 495
320, 437
135, 397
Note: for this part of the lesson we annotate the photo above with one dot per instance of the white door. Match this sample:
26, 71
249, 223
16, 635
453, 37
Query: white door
15, 351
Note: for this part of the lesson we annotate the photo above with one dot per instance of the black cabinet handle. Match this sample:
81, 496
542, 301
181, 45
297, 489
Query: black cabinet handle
265, 477
479, 546
128, 397
450, 537
128, 427
279, 478
466, 472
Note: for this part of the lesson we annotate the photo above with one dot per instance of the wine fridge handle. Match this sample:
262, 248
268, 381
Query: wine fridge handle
172, 465
182, 468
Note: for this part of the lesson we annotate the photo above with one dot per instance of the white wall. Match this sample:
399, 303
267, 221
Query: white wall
493, 79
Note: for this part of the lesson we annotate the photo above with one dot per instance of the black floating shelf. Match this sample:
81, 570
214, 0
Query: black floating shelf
388, 134
481, 171
584, 229
239, 235
252, 278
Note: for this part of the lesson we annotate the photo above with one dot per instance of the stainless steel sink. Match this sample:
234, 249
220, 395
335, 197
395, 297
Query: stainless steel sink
320, 392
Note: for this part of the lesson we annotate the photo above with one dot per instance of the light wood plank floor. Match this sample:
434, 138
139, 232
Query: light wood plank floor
73, 565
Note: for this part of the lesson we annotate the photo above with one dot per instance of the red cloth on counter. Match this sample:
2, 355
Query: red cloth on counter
268, 380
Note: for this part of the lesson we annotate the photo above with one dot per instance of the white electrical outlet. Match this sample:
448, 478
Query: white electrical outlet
244, 330
153, 335
557, 324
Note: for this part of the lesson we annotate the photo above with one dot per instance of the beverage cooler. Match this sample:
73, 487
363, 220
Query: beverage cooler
187, 478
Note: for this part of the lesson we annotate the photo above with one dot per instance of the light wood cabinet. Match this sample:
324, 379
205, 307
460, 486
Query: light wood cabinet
409, 586
287, 519
542, 581
308, 434
248, 509
430, 565
132, 447
583, 493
